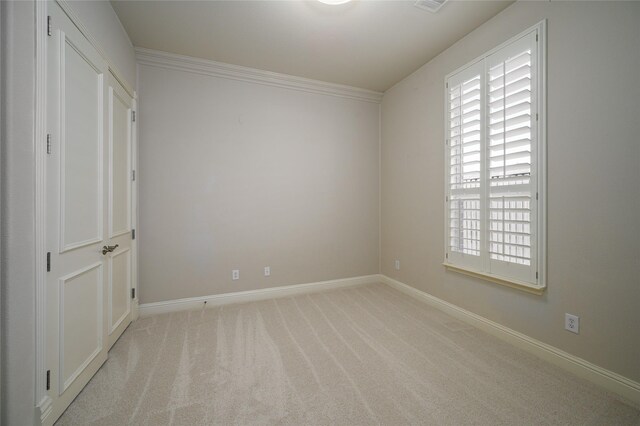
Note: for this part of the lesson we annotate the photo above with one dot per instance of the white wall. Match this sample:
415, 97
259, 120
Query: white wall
593, 178
18, 239
238, 175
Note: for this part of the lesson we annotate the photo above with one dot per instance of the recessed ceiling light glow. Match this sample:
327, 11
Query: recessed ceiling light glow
334, 2
430, 5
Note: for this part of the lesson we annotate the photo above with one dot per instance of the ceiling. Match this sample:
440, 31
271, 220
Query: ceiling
366, 43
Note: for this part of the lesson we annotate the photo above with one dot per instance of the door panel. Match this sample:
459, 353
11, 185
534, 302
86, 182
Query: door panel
119, 288
120, 139
80, 321
81, 101
76, 217
119, 215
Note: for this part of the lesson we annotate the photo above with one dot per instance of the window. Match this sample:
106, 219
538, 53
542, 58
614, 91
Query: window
495, 168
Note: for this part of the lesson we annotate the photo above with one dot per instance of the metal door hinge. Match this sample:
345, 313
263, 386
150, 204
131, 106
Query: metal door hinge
133, 293
133, 175
48, 25
446, 198
48, 143
536, 275
48, 379
446, 255
536, 37
48, 261
446, 85
536, 195
536, 116
133, 234
133, 116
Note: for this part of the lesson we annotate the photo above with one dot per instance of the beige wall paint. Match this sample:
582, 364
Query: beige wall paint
237, 175
17, 184
593, 178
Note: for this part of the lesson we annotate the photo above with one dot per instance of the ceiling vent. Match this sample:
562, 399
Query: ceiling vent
431, 5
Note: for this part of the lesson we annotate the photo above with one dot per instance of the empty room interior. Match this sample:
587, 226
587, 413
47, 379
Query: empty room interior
320, 212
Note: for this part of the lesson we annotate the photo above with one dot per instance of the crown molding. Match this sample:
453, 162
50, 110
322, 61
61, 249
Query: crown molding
173, 61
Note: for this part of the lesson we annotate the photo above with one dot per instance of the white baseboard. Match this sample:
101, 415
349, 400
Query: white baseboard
614, 382
193, 303
45, 408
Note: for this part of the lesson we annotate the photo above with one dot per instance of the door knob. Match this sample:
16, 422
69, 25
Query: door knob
109, 249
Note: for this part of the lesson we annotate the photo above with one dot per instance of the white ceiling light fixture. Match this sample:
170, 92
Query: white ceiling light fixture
431, 5
334, 2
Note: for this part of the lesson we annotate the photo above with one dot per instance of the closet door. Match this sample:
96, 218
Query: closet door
77, 234
119, 210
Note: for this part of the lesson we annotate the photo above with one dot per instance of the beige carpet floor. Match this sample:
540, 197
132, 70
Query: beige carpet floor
365, 355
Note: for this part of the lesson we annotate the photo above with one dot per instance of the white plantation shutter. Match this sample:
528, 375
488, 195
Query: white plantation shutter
493, 163
511, 168
465, 93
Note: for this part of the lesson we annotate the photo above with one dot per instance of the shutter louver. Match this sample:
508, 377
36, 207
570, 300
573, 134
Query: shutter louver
465, 133
509, 158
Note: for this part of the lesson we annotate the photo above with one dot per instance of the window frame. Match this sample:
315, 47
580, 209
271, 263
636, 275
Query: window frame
451, 262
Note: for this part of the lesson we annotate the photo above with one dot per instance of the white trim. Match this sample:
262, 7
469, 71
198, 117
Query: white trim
134, 208
46, 408
541, 235
614, 382
193, 303
488, 276
43, 400
235, 72
380, 187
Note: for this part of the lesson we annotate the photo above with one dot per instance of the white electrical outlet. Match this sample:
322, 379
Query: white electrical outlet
267, 271
572, 323
397, 265
235, 274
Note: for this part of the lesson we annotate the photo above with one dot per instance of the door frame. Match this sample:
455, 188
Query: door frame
43, 401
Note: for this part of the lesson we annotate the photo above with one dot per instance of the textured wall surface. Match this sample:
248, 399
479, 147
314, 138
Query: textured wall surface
237, 175
593, 174
18, 214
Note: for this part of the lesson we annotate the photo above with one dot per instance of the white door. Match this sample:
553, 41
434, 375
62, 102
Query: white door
119, 210
88, 211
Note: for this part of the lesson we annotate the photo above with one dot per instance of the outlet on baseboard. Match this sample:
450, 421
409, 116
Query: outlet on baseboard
267, 271
397, 265
572, 323
235, 274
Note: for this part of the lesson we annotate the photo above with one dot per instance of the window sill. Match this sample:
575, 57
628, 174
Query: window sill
518, 285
